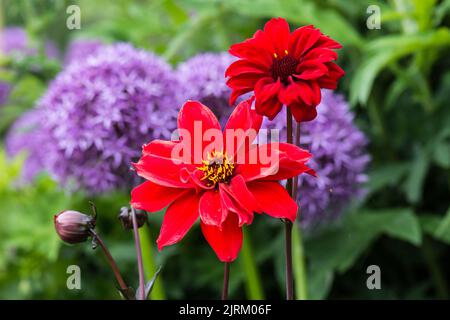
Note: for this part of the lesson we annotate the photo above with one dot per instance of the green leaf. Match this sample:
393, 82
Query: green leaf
419, 169
337, 249
319, 284
388, 49
389, 174
302, 12
434, 226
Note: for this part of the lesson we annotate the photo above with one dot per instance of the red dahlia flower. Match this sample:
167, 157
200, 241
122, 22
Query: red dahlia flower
223, 186
284, 68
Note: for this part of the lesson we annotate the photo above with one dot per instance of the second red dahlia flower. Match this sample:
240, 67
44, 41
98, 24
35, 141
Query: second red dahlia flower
284, 68
209, 176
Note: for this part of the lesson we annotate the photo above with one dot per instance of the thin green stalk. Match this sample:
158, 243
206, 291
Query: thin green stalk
149, 263
435, 270
253, 285
300, 280
287, 223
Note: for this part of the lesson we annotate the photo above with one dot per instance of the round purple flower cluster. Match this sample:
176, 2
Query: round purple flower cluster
25, 135
339, 158
203, 78
81, 48
14, 43
99, 111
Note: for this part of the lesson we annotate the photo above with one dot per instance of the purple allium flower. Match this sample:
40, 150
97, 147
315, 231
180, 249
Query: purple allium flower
339, 158
25, 135
5, 89
81, 48
99, 111
14, 42
203, 79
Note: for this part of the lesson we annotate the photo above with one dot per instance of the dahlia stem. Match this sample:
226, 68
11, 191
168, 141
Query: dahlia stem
149, 262
226, 280
137, 243
252, 277
112, 262
287, 223
301, 290
297, 143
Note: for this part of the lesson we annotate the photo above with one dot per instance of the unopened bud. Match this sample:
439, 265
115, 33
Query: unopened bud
73, 226
127, 220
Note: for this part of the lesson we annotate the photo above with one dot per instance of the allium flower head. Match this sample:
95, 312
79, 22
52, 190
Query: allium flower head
340, 160
14, 43
215, 183
26, 135
284, 68
81, 48
99, 111
14, 40
203, 79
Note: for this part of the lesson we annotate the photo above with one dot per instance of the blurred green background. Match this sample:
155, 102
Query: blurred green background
398, 83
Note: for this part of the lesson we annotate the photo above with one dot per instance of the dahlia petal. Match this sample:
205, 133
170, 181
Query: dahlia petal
193, 111
310, 69
326, 42
288, 94
266, 94
292, 162
245, 66
210, 208
162, 171
226, 241
195, 119
276, 161
237, 93
244, 215
243, 121
257, 49
161, 148
302, 39
239, 191
303, 112
264, 162
178, 219
274, 200
321, 55
244, 81
152, 197
308, 92
277, 30
330, 79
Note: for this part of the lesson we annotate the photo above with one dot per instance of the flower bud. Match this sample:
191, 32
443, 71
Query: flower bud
73, 226
127, 220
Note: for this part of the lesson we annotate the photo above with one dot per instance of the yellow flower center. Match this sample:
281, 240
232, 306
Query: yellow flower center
217, 168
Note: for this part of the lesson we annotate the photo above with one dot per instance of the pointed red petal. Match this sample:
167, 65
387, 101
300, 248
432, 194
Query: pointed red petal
277, 30
225, 242
210, 208
151, 197
242, 127
179, 218
274, 199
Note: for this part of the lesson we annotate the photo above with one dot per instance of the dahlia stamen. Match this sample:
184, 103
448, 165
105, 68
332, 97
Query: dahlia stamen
218, 167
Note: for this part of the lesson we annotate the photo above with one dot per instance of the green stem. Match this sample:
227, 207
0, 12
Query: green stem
300, 280
435, 270
287, 223
149, 262
252, 278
